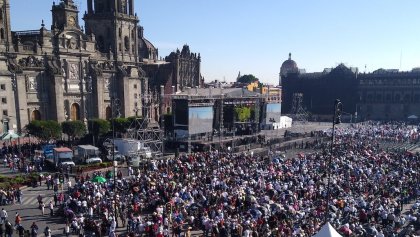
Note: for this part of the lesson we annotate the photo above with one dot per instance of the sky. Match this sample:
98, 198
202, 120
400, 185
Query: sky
255, 37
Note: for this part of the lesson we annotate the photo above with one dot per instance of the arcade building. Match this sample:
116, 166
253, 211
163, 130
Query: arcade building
384, 94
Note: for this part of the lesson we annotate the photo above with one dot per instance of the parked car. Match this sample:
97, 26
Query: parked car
93, 160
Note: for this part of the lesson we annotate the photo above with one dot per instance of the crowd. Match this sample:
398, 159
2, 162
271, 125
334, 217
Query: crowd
373, 192
224, 194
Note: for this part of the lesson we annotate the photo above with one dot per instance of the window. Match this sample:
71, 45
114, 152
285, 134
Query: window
4, 100
127, 43
397, 98
100, 43
135, 86
5, 113
3, 87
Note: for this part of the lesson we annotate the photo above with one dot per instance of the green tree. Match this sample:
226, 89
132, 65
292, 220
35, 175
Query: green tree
247, 79
44, 129
121, 124
243, 113
74, 128
98, 127
133, 123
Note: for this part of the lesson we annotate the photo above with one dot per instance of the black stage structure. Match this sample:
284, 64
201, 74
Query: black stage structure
216, 118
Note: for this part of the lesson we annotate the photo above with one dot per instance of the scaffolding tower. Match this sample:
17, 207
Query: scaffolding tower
298, 113
147, 130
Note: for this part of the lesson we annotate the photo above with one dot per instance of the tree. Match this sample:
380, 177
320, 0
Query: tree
44, 129
247, 79
98, 127
74, 128
121, 124
243, 113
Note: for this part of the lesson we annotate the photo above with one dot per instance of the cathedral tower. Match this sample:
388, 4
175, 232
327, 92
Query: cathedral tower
5, 27
65, 16
114, 25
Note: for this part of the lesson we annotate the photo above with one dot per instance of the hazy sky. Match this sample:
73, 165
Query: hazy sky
255, 37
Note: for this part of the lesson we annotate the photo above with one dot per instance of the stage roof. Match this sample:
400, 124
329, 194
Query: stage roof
217, 92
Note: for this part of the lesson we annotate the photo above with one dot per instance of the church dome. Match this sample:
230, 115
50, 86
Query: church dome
288, 66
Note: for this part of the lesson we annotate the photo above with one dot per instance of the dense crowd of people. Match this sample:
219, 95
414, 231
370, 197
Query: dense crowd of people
223, 194
365, 191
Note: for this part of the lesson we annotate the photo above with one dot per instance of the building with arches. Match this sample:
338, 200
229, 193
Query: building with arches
68, 72
384, 94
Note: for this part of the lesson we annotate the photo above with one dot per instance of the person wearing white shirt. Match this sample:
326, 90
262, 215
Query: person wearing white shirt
3, 215
113, 225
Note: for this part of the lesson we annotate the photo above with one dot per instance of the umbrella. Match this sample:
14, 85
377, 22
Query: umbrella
69, 212
99, 179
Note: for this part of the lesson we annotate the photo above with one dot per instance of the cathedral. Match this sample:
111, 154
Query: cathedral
71, 72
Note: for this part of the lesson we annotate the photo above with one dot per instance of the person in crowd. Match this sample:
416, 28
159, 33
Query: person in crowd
34, 230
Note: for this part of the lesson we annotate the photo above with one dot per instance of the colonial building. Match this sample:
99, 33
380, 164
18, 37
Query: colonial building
389, 95
319, 89
385, 94
72, 73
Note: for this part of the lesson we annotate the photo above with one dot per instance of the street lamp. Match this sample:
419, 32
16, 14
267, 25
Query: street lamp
115, 107
336, 120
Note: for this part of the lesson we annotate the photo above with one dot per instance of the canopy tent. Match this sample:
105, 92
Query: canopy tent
327, 231
99, 179
412, 117
8, 136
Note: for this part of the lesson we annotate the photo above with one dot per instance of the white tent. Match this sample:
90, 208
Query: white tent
327, 231
413, 117
285, 122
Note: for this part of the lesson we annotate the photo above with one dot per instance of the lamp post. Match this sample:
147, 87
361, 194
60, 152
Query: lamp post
115, 107
336, 120
87, 89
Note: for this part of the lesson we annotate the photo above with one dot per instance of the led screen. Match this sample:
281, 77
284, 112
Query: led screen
200, 120
273, 113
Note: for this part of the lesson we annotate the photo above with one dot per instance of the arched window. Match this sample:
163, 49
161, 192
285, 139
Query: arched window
2, 33
127, 43
156, 115
101, 43
388, 97
407, 98
119, 32
75, 112
108, 113
397, 98
36, 115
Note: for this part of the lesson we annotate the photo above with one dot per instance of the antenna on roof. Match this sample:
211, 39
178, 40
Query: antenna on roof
400, 59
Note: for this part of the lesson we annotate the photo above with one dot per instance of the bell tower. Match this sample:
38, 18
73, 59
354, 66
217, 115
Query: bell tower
114, 25
65, 15
5, 27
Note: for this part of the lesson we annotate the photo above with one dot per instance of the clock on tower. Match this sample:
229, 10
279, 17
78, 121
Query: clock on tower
65, 15
71, 21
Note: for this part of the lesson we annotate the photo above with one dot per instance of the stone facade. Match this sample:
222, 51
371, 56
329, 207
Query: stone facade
389, 95
71, 73
385, 94
320, 89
